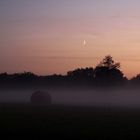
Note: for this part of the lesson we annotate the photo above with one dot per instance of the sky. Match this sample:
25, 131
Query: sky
55, 36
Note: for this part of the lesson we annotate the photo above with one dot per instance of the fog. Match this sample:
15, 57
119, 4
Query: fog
119, 97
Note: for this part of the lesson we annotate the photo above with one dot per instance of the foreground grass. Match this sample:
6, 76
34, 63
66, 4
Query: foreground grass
68, 122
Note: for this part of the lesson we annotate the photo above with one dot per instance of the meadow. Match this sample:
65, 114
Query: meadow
73, 114
68, 122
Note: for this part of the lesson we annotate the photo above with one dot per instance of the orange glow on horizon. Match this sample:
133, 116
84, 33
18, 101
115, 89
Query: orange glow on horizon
46, 37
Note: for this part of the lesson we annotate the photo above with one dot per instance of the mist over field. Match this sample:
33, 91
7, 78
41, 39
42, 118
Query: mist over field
70, 69
87, 97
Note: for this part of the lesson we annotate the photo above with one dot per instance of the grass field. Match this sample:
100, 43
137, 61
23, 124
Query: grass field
68, 122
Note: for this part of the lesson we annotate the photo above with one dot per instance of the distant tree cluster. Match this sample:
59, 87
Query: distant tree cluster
106, 74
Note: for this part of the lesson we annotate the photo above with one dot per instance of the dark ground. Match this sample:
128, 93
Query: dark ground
24, 121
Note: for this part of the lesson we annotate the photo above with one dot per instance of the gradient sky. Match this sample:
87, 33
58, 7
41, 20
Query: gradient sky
46, 36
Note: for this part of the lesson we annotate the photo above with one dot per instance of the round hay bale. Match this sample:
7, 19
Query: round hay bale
40, 98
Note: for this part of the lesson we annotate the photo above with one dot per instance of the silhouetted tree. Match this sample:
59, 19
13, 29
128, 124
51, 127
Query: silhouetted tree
109, 63
135, 81
81, 76
81, 73
107, 73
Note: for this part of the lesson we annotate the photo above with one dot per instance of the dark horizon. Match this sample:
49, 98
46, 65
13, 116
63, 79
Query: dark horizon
106, 74
59, 74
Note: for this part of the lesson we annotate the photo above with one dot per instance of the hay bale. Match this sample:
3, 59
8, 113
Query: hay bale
40, 98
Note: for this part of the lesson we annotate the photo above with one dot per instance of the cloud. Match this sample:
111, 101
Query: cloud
63, 57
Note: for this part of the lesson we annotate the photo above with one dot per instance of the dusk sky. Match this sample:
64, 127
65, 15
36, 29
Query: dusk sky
47, 36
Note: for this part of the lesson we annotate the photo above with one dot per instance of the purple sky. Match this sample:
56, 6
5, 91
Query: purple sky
47, 36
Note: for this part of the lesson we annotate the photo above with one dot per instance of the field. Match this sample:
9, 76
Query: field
68, 122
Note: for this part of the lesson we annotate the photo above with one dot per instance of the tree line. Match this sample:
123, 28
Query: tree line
106, 74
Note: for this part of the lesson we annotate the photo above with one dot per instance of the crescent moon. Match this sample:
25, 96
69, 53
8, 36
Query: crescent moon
84, 42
